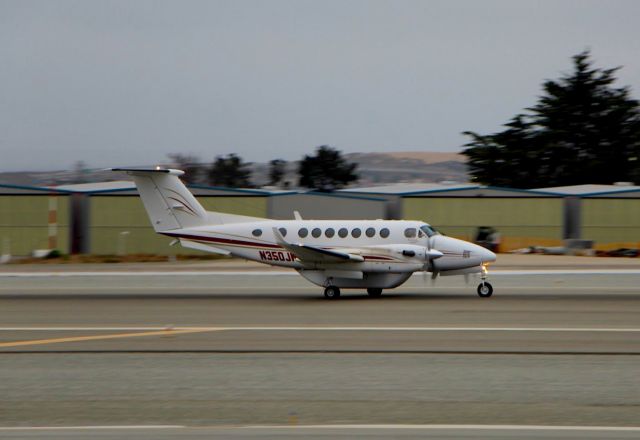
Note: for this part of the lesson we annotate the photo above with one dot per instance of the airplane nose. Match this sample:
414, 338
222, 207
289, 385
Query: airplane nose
488, 256
485, 254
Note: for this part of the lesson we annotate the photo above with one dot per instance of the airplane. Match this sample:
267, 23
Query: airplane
333, 254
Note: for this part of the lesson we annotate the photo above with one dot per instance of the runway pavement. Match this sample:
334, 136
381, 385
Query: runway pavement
340, 432
222, 350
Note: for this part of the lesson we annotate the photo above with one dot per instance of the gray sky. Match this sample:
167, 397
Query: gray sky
126, 82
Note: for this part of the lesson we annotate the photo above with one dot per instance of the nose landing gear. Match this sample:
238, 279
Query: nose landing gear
485, 290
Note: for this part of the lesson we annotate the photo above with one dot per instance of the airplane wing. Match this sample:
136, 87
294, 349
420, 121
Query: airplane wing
313, 254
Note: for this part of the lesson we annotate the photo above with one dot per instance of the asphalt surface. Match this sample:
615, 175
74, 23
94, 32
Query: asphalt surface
324, 432
214, 352
505, 261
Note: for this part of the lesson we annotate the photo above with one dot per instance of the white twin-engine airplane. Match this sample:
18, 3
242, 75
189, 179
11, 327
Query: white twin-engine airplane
334, 254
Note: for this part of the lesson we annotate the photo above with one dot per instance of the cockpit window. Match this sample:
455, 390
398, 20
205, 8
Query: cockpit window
410, 232
430, 231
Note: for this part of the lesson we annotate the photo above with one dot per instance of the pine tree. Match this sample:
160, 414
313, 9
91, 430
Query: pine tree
230, 172
582, 130
327, 170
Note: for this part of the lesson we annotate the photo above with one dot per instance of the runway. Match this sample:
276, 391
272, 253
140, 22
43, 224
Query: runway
340, 432
218, 352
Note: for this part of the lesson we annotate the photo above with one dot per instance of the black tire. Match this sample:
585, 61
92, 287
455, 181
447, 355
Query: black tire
485, 290
374, 291
332, 292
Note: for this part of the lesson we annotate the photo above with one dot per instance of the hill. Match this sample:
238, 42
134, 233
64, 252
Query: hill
373, 168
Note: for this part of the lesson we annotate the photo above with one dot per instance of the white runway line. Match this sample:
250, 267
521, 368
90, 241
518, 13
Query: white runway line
458, 427
333, 427
336, 328
292, 273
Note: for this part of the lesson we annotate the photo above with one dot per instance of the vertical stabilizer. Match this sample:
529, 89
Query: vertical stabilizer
169, 204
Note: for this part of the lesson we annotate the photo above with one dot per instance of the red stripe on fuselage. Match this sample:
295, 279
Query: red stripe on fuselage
376, 257
224, 241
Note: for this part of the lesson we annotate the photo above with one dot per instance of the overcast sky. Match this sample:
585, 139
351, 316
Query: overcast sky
126, 82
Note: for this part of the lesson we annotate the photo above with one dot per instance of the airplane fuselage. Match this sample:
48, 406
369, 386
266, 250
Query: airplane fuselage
385, 245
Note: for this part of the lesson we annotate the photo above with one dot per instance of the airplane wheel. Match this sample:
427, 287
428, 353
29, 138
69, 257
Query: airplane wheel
331, 292
485, 290
374, 291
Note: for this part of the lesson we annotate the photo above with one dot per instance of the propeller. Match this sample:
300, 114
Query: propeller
432, 255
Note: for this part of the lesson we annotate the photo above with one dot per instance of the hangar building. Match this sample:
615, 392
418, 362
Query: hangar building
108, 217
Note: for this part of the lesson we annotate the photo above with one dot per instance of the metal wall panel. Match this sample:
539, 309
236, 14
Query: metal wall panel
520, 221
119, 224
255, 206
326, 206
611, 222
24, 223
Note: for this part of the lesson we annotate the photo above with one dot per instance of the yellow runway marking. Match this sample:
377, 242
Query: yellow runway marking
97, 337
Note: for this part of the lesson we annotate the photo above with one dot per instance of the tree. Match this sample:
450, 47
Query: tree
327, 170
230, 171
277, 171
192, 166
581, 130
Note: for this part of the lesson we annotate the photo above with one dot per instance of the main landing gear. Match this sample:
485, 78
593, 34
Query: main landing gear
331, 292
374, 292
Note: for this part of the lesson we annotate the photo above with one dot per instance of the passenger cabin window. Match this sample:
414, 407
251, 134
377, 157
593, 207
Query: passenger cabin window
430, 231
330, 232
384, 232
370, 232
257, 232
283, 231
303, 232
356, 232
410, 232
343, 232
316, 232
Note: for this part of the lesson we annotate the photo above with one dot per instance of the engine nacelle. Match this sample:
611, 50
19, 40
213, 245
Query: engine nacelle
412, 252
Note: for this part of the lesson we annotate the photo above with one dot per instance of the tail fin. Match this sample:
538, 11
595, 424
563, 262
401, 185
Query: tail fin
169, 204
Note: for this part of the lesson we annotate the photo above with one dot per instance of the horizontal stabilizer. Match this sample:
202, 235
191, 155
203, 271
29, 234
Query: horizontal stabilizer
142, 171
